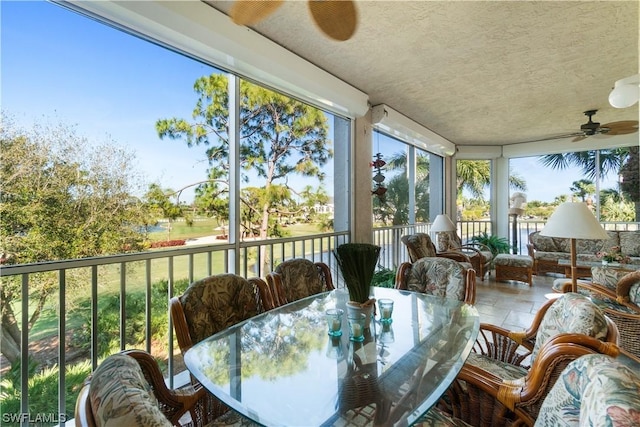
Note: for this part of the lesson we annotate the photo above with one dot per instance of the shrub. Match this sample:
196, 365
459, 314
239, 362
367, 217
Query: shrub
168, 243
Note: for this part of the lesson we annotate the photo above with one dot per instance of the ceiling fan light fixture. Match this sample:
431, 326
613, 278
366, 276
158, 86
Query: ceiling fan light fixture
625, 92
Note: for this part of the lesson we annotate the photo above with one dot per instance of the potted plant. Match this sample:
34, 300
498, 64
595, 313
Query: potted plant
357, 263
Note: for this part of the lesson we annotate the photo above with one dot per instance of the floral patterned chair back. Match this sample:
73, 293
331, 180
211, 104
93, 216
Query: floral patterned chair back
419, 245
118, 394
593, 390
213, 304
438, 276
571, 313
299, 278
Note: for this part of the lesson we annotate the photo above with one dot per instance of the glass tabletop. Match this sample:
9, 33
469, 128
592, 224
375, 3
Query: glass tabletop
282, 367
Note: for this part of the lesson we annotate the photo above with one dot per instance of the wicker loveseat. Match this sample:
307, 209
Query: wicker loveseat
547, 251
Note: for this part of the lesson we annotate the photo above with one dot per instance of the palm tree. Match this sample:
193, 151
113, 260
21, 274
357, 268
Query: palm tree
583, 188
602, 162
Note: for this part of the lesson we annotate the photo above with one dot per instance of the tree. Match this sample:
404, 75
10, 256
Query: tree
159, 202
279, 137
601, 162
630, 178
583, 188
61, 199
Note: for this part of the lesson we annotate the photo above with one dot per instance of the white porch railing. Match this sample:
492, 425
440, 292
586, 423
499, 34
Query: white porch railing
142, 270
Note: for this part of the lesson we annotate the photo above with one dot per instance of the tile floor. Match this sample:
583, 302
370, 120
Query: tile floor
511, 304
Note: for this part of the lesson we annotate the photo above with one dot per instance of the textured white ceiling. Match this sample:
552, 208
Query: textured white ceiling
477, 72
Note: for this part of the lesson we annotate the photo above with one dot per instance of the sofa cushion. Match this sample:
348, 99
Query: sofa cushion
543, 243
630, 243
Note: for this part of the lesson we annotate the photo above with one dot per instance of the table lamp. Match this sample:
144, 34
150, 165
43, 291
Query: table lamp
574, 220
440, 224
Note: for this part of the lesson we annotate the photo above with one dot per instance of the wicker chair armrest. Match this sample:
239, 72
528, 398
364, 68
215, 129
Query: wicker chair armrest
600, 291
473, 398
172, 403
455, 255
401, 275
480, 247
470, 289
180, 325
504, 345
274, 282
325, 275
531, 250
529, 392
267, 301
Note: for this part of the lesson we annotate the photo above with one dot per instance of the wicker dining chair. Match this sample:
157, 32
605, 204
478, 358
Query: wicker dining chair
212, 304
128, 389
298, 278
509, 373
438, 276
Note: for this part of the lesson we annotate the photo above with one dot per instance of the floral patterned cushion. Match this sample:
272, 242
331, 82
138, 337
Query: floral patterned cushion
438, 276
594, 390
437, 418
503, 370
570, 313
300, 278
419, 245
543, 243
120, 395
217, 302
607, 277
634, 294
630, 243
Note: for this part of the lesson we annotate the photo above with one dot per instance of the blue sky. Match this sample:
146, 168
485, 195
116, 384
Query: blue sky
64, 68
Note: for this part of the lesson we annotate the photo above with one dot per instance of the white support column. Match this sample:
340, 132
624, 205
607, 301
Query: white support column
361, 220
500, 196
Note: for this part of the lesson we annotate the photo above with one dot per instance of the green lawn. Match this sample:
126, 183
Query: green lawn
109, 276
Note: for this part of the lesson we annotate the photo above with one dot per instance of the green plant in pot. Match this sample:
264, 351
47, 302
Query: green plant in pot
357, 263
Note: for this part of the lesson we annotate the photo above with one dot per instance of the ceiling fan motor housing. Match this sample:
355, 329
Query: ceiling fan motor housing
590, 128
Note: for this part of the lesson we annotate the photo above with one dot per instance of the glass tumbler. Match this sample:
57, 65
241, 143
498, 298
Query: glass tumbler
385, 305
356, 327
334, 321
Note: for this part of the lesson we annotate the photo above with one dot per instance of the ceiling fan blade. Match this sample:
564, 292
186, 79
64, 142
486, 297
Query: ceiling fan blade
624, 127
579, 138
249, 12
336, 18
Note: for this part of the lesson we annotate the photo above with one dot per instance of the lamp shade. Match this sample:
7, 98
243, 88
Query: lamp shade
574, 220
442, 223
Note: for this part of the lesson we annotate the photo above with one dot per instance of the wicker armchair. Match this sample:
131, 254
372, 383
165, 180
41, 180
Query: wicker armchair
438, 276
298, 278
617, 293
479, 255
508, 374
420, 245
213, 304
128, 389
594, 390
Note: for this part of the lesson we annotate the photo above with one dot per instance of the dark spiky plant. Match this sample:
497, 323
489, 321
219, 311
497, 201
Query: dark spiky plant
357, 262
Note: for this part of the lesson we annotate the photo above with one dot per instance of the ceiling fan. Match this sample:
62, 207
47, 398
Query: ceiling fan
335, 18
614, 128
591, 128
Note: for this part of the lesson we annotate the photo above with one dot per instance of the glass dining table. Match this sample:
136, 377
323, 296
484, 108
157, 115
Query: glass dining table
281, 368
